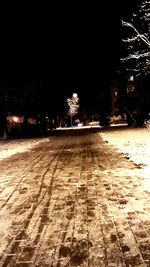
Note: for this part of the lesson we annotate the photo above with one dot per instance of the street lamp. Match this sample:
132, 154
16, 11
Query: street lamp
75, 95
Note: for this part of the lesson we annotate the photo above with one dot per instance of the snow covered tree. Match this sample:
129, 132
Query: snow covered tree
73, 106
136, 63
136, 40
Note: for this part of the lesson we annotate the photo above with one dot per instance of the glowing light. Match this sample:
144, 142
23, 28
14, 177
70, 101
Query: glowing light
75, 95
131, 78
15, 119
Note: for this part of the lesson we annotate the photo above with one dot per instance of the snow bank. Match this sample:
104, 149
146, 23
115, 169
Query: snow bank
132, 141
11, 147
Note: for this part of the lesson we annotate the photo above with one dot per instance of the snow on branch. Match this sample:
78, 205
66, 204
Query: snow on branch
138, 36
136, 40
136, 56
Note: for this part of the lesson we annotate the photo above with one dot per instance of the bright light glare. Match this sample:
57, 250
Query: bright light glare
75, 95
15, 119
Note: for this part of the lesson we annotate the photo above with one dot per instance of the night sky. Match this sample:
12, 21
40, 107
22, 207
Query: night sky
64, 48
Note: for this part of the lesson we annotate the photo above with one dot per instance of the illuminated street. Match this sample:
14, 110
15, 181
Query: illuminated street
76, 199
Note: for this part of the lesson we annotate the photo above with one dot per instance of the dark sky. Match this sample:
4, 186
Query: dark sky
68, 48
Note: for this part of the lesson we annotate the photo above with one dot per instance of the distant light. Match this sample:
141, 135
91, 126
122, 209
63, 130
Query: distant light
75, 95
131, 78
15, 119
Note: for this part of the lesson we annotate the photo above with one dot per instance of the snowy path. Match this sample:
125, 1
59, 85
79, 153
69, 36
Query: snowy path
73, 201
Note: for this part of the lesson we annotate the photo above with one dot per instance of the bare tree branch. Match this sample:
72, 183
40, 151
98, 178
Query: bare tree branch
138, 36
135, 56
137, 43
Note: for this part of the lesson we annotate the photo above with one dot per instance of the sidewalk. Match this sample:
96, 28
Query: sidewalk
74, 201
